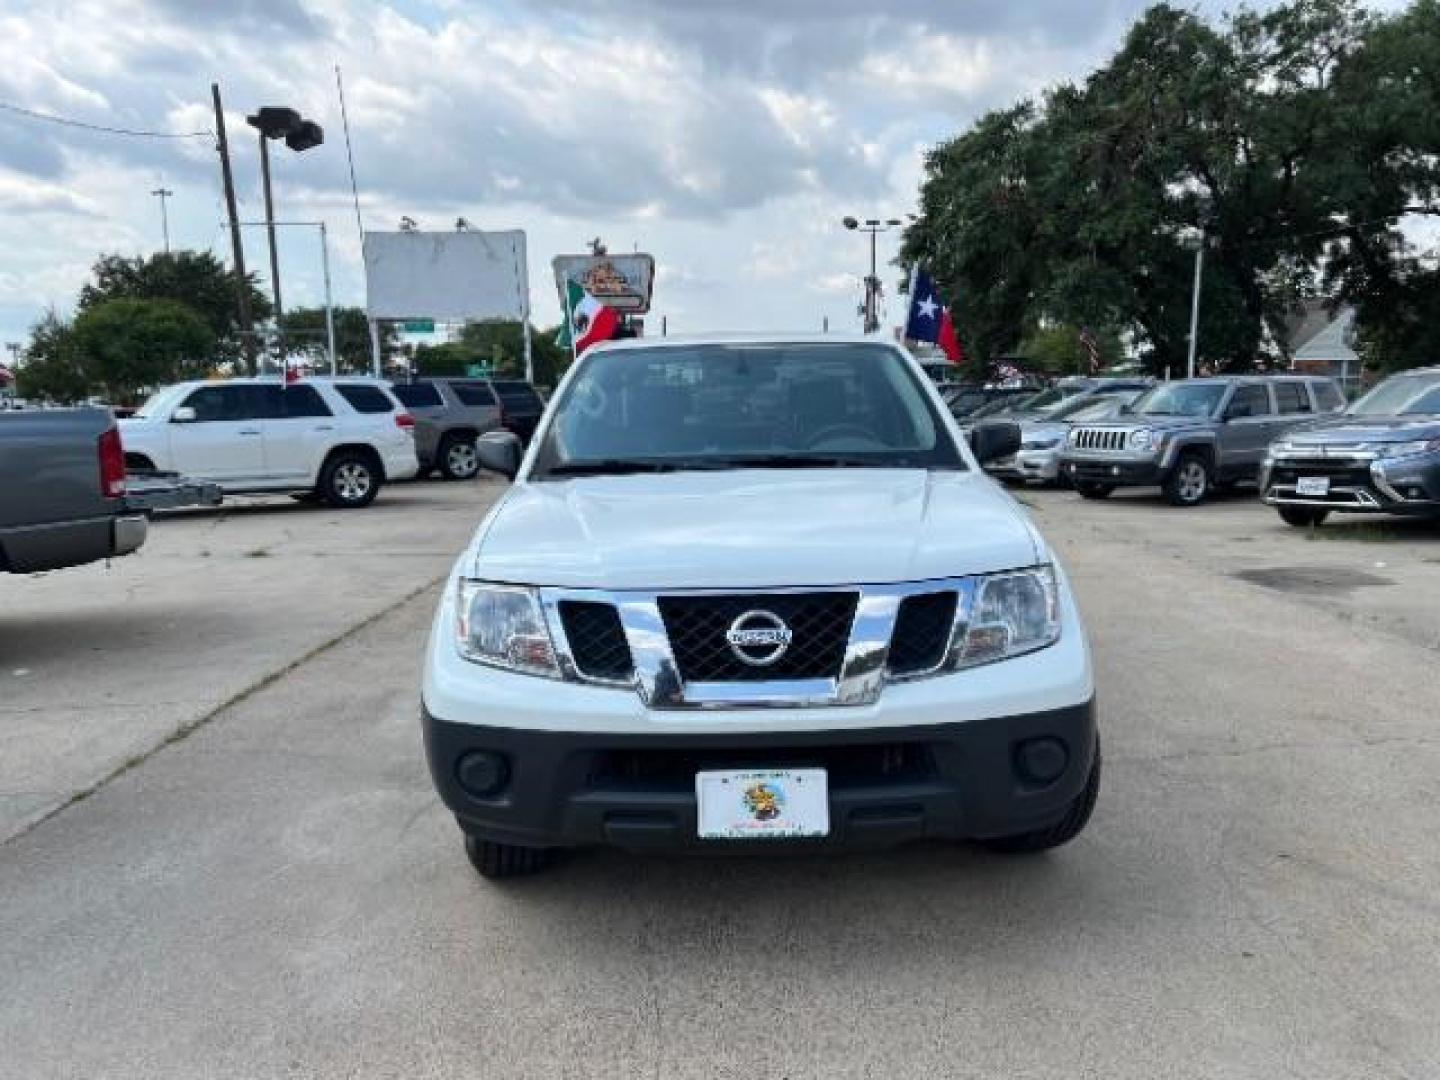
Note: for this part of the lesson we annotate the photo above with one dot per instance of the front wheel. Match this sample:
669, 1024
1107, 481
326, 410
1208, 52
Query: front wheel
1089, 489
1302, 517
1077, 816
349, 481
495, 861
1189, 482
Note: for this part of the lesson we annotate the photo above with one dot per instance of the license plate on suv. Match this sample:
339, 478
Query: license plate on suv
763, 804
1312, 485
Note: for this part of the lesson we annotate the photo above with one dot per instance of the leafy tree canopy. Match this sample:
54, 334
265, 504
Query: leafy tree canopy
1296, 140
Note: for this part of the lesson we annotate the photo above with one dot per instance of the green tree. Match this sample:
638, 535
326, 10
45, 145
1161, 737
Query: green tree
305, 332
196, 279
499, 346
1295, 139
51, 368
127, 348
1060, 350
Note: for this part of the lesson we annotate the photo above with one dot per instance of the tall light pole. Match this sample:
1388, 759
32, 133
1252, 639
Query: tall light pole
1195, 239
873, 226
162, 193
279, 122
325, 271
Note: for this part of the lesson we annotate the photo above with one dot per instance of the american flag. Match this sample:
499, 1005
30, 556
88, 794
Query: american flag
1087, 338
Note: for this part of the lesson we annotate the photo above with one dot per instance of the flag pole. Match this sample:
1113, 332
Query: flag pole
570, 321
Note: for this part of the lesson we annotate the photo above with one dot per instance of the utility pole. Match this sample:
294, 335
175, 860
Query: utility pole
242, 281
873, 226
163, 193
1195, 305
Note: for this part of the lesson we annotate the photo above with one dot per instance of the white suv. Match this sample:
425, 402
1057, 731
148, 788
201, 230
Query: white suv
339, 439
756, 591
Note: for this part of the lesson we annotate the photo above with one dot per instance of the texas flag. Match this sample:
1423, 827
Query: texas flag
930, 320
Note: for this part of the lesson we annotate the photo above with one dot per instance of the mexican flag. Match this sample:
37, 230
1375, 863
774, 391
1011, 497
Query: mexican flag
586, 319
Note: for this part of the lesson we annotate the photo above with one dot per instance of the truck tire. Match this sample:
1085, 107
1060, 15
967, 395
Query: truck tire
1302, 517
1190, 481
457, 457
349, 480
1089, 489
1077, 816
495, 861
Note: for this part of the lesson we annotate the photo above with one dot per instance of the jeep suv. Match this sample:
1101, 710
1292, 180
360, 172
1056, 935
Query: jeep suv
1192, 437
756, 591
1382, 455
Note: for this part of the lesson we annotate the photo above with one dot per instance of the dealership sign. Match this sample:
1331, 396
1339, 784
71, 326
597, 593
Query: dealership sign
622, 282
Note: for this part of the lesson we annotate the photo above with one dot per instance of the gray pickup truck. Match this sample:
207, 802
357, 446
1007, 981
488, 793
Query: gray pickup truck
64, 496
1190, 438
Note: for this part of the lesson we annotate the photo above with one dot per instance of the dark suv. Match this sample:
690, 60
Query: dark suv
1381, 455
451, 413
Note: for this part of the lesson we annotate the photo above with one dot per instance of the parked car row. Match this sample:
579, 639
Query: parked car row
1309, 453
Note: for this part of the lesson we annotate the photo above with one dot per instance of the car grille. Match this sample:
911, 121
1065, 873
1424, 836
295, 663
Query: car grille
597, 640
922, 632
819, 624
1099, 439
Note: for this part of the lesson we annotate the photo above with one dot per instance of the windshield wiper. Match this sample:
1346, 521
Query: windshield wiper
795, 461
614, 467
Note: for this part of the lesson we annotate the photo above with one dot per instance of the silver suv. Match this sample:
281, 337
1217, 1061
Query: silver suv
451, 413
1190, 438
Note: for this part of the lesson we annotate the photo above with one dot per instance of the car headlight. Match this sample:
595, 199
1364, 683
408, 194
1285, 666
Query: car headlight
503, 626
1142, 439
1408, 449
1010, 614
1049, 443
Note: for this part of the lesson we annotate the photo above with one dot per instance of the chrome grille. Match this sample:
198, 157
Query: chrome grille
1100, 439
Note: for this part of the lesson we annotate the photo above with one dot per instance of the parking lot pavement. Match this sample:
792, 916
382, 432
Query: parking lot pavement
282, 894
1381, 573
99, 665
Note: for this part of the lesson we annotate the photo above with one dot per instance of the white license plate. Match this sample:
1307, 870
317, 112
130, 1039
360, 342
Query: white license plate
1312, 485
763, 804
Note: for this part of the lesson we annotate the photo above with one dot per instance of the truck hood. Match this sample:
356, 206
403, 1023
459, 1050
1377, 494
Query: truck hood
1347, 430
753, 529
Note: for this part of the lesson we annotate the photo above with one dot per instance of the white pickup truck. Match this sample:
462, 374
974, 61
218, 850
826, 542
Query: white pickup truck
756, 591
339, 440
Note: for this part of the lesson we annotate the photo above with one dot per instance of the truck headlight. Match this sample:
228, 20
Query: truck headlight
1011, 614
1142, 439
503, 626
1408, 449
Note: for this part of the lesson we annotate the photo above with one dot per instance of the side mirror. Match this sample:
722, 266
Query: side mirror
185, 414
500, 453
993, 440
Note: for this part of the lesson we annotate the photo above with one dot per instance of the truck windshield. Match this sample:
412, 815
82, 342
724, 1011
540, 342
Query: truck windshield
1401, 395
1180, 399
744, 406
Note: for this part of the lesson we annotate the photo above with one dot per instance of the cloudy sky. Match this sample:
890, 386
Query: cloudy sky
727, 137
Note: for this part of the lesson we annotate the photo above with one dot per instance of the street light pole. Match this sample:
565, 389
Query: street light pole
270, 226
1195, 305
873, 226
163, 193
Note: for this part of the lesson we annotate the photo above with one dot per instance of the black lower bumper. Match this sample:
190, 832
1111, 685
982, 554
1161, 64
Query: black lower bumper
886, 785
1114, 473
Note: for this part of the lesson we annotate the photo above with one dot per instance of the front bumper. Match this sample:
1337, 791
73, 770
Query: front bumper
886, 785
1115, 471
1399, 486
1042, 465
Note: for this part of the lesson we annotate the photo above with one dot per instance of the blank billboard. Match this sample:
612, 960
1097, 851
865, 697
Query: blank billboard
449, 276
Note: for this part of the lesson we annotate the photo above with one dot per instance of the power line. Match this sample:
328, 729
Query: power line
65, 121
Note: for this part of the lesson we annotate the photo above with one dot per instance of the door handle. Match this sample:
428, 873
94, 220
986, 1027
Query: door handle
326, 427
247, 431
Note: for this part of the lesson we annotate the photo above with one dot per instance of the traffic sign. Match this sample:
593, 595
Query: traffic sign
419, 326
